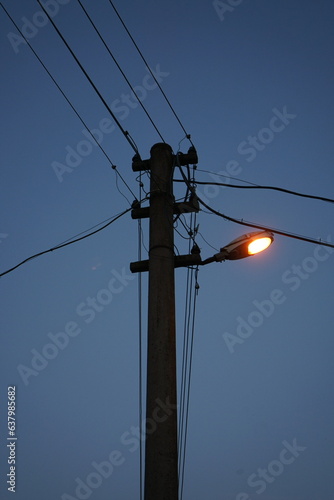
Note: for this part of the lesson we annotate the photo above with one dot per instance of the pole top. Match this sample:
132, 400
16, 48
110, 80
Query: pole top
161, 145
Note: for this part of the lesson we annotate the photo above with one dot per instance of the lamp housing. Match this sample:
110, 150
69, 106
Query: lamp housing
245, 246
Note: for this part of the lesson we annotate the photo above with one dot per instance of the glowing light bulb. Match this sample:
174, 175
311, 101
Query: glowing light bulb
259, 245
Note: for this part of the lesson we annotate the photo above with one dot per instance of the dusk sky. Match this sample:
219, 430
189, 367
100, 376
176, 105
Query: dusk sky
252, 82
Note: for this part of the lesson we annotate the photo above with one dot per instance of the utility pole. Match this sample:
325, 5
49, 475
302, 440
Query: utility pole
161, 466
161, 457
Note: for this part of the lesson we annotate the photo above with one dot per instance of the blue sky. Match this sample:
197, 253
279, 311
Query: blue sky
229, 69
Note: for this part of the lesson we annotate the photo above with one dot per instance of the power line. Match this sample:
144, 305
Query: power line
120, 69
62, 245
151, 72
226, 175
256, 186
192, 333
140, 342
118, 174
252, 224
118, 189
57, 85
189, 329
186, 227
214, 248
124, 132
70, 103
184, 376
85, 231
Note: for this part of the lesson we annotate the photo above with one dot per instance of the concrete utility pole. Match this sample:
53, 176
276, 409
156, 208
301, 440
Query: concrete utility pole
161, 460
161, 466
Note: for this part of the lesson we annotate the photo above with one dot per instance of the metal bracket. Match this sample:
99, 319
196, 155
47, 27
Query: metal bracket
179, 261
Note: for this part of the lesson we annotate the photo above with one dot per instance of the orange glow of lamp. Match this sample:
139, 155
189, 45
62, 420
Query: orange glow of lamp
245, 246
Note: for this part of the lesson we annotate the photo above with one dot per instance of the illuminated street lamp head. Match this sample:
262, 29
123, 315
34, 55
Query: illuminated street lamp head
246, 245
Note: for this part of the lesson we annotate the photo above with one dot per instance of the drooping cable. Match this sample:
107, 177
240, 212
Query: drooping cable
251, 224
151, 72
124, 132
62, 245
118, 189
189, 230
184, 224
256, 186
206, 241
118, 174
120, 69
180, 234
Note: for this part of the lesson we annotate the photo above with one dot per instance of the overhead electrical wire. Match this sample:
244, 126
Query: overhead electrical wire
192, 317
188, 340
70, 103
180, 234
188, 229
214, 248
85, 231
184, 375
252, 224
118, 189
140, 342
222, 175
226, 175
65, 244
120, 69
124, 132
187, 355
257, 186
217, 174
151, 72
55, 82
118, 174
189, 329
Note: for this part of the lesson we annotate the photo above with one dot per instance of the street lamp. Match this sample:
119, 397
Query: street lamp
244, 246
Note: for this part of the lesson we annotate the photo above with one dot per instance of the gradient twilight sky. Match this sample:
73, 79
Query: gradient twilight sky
228, 71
